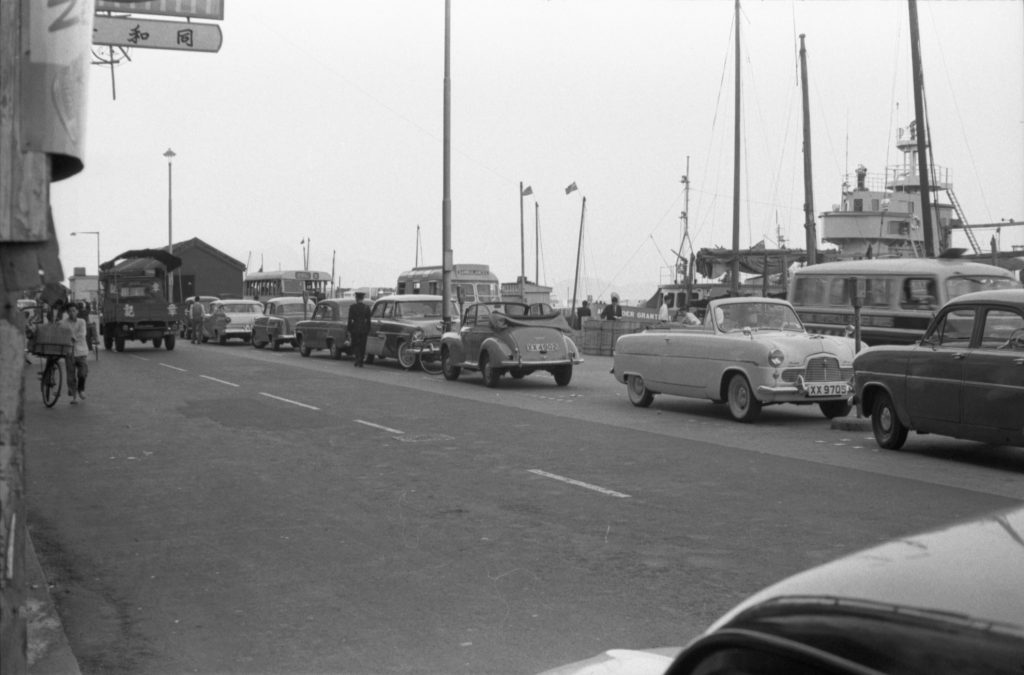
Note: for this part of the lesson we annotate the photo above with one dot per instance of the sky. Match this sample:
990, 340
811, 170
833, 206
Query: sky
321, 122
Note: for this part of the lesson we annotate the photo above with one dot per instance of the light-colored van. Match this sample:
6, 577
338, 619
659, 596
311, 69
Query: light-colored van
900, 294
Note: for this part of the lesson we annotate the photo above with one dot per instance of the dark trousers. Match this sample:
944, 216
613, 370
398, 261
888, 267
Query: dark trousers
359, 346
78, 370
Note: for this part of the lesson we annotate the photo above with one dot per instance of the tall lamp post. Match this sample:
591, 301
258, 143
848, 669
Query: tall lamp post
74, 234
170, 224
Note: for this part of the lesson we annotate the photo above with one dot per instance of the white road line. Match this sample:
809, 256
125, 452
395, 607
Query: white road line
378, 426
140, 358
167, 365
570, 481
214, 379
288, 400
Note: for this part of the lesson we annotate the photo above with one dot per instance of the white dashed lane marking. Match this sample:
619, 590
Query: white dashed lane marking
214, 379
288, 400
572, 481
167, 365
381, 427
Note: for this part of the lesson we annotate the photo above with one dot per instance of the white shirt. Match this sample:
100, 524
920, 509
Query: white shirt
78, 335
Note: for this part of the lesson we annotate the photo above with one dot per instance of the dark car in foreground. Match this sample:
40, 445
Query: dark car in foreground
510, 337
326, 329
949, 601
965, 378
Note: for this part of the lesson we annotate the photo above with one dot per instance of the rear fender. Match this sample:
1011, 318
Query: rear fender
455, 349
496, 349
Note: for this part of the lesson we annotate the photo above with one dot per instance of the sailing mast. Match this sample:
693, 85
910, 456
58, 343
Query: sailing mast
922, 133
811, 234
734, 267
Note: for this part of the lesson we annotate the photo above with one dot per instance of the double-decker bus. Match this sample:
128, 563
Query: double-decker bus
263, 285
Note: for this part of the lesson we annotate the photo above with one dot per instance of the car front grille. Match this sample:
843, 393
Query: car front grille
819, 369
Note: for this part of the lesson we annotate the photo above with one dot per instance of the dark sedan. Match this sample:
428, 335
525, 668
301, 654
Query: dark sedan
326, 329
965, 378
277, 324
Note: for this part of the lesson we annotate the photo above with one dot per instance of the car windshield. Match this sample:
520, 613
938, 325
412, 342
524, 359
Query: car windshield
419, 309
241, 308
296, 309
760, 316
957, 286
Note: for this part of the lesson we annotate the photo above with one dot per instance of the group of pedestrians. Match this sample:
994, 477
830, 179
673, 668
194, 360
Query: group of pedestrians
73, 320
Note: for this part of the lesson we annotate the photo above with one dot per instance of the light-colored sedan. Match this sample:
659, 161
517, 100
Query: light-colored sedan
749, 352
230, 319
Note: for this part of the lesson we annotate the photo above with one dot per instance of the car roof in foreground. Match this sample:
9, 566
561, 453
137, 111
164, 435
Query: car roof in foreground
973, 571
1004, 295
410, 297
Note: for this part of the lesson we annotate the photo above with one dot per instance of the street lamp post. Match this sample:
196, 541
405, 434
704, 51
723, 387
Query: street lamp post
170, 223
73, 234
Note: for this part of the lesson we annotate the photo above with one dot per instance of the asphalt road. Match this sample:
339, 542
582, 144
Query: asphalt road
226, 509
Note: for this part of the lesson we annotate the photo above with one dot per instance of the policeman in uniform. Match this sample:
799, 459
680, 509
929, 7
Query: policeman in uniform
358, 327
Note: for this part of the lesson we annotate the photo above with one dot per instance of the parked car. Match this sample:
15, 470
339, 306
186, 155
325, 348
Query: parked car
965, 378
326, 329
276, 326
407, 328
749, 352
510, 337
229, 319
945, 602
185, 327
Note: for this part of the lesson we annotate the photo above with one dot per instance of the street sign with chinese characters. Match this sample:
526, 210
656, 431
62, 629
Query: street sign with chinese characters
155, 34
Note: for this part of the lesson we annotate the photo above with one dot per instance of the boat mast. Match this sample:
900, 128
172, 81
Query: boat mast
922, 133
579, 252
811, 234
734, 267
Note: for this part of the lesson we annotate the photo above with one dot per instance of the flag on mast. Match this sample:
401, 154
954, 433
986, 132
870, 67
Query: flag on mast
572, 188
528, 190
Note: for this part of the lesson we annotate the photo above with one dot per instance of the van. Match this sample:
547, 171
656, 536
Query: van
900, 295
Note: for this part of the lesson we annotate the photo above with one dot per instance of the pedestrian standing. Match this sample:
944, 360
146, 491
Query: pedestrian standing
358, 328
77, 367
197, 321
582, 313
613, 311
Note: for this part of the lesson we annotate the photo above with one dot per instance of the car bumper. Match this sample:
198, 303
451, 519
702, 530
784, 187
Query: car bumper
540, 364
799, 393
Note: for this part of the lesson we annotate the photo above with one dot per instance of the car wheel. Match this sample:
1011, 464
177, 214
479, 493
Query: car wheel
490, 373
639, 394
448, 367
158, 342
518, 373
563, 375
335, 350
204, 339
258, 344
222, 339
304, 349
743, 406
276, 345
889, 431
406, 357
833, 409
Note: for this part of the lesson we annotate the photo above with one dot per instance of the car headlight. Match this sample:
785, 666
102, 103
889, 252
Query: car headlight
417, 335
776, 358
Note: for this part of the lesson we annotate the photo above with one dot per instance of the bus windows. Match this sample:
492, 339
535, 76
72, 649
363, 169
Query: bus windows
839, 292
918, 293
810, 290
878, 292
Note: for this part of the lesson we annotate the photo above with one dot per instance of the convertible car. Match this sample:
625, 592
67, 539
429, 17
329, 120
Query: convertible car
749, 352
510, 337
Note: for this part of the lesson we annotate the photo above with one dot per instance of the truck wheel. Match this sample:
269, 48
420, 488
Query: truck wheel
743, 406
108, 341
169, 343
157, 342
119, 343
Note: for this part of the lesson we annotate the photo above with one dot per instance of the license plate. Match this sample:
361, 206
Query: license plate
542, 347
827, 388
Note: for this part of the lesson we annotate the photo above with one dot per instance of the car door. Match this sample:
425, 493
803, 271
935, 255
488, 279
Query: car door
376, 340
475, 330
314, 330
994, 378
935, 372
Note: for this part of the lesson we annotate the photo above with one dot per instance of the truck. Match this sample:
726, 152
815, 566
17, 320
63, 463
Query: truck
135, 303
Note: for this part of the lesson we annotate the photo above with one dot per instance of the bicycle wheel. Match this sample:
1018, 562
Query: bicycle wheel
51, 380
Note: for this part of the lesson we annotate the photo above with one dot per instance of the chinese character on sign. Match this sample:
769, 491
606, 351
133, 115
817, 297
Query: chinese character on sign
185, 37
129, 311
136, 34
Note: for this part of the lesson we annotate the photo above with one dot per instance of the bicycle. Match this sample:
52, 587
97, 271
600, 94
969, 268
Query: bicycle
51, 380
